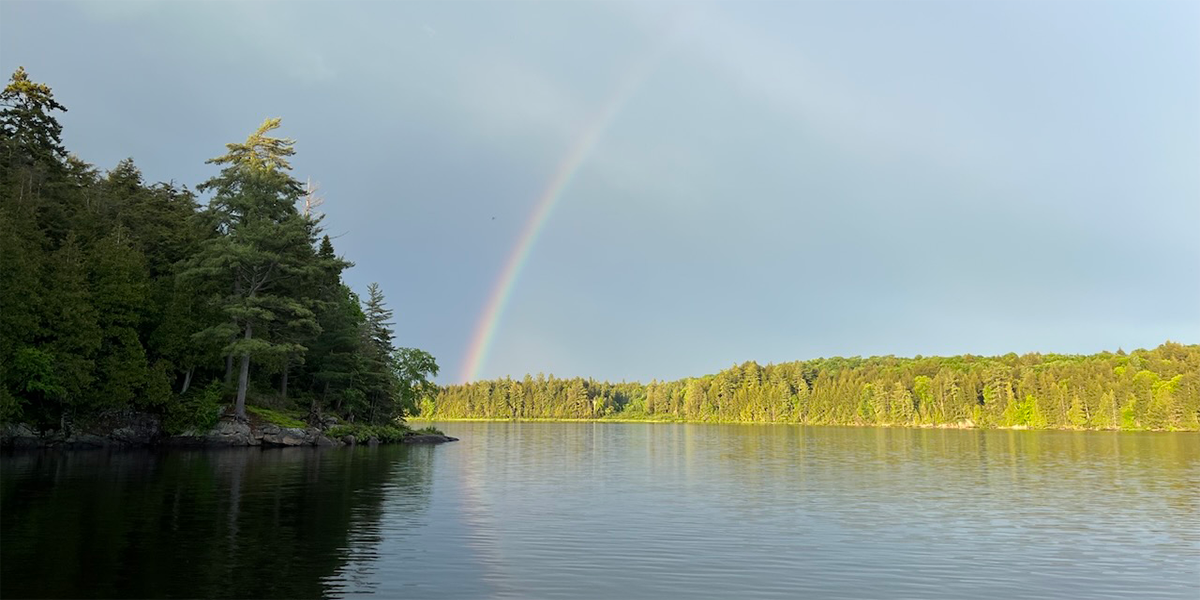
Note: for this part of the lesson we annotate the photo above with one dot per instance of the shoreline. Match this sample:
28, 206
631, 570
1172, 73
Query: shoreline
141, 430
956, 426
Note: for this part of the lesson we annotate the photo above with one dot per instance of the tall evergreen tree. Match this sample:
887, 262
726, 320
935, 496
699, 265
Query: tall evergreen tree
263, 246
21, 301
377, 376
72, 334
30, 137
121, 297
338, 312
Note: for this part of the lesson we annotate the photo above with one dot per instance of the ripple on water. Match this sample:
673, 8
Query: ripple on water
581, 510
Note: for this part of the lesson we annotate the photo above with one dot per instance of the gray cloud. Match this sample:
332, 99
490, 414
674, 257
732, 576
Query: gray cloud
793, 179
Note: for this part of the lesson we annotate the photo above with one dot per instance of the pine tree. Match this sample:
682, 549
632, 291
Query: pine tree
901, 403
119, 294
30, 138
263, 247
21, 293
1076, 415
379, 333
1106, 413
377, 375
72, 334
332, 360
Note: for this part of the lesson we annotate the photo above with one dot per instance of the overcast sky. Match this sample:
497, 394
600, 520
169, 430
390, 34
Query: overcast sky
788, 180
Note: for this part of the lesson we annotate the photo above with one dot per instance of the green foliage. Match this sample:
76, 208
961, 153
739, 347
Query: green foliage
33, 372
413, 370
260, 262
390, 433
1106, 412
10, 407
275, 417
1076, 415
116, 294
1129, 415
378, 399
427, 406
1034, 391
198, 411
30, 137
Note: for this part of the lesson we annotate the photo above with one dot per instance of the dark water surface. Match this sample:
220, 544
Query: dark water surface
582, 510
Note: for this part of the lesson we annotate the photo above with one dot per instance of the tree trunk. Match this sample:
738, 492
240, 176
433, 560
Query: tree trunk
287, 363
239, 408
187, 379
317, 407
314, 411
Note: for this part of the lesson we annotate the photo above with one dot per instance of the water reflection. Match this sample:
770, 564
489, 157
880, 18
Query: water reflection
601, 510
232, 523
777, 511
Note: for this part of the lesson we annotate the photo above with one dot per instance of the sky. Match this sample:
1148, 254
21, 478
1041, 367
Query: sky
636, 191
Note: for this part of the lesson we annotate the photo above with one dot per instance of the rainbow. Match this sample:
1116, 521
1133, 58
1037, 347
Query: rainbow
552, 193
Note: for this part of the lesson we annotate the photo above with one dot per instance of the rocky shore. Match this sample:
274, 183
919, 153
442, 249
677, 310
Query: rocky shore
133, 429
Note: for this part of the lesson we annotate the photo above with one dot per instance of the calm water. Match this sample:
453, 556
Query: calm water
567, 510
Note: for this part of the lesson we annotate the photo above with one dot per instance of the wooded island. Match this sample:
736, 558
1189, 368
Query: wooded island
119, 295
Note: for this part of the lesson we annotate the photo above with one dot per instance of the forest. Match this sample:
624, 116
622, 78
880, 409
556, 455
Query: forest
117, 294
1155, 389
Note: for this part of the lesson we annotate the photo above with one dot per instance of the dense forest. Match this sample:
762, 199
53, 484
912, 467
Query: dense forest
117, 294
1144, 389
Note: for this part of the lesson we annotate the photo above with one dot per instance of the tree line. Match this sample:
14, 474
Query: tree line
1144, 389
120, 294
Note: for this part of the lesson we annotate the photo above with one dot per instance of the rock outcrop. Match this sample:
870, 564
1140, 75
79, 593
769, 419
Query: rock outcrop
126, 429
20, 435
428, 438
110, 429
227, 432
274, 435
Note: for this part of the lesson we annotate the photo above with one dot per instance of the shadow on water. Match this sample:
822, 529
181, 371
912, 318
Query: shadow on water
218, 523
614, 510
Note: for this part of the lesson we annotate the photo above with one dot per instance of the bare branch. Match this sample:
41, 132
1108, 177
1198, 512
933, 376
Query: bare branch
311, 200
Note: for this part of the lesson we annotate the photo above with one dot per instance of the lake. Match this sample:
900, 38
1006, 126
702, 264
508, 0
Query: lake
613, 510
